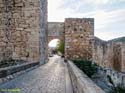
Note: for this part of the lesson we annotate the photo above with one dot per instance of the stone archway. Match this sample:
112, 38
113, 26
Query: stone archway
55, 30
77, 34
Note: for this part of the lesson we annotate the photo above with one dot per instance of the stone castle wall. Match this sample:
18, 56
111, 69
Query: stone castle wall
109, 54
123, 57
79, 35
19, 29
43, 31
23, 36
55, 31
101, 52
80, 43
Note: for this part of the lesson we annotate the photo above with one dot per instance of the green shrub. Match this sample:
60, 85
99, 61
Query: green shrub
87, 67
60, 47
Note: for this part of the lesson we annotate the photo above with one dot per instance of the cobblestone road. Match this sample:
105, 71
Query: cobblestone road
52, 77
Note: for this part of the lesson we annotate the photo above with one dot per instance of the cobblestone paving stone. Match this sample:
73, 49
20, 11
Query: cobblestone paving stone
49, 78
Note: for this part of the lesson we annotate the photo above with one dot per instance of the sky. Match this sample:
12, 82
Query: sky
109, 15
53, 43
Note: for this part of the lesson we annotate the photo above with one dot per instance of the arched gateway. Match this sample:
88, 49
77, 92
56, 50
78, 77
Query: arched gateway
77, 34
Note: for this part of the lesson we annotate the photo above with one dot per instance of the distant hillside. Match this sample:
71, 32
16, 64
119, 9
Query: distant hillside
98, 41
121, 39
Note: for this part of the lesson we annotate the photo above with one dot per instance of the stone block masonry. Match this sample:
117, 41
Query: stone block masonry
21, 21
109, 54
81, 82
55, 31
79, 35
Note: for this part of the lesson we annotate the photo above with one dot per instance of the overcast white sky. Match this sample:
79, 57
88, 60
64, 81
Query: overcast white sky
109, 14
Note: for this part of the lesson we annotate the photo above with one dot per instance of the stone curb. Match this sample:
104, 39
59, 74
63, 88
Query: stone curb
81, 82
16, 74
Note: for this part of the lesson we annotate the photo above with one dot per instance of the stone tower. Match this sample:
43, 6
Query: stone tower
23, 25
79, 35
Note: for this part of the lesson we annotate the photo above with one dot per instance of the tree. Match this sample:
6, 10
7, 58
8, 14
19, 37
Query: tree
60, 47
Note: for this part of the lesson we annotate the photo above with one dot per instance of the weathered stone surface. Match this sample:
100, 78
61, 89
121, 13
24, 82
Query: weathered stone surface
118, 78
55, 31
81, 82
21, 21
43, 32
109, 54
79, 35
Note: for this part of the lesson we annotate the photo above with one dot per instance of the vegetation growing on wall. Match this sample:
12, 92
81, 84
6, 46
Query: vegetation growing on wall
87, 67
90, 68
